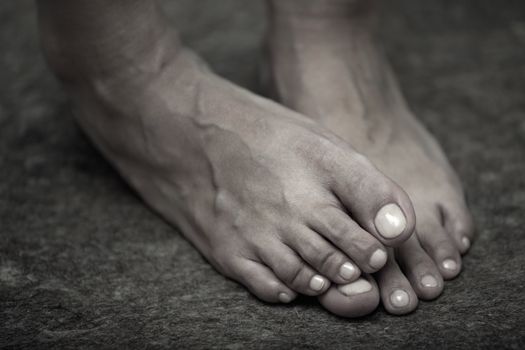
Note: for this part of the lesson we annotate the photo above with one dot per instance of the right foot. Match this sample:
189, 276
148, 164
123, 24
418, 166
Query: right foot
270, 198
325, 64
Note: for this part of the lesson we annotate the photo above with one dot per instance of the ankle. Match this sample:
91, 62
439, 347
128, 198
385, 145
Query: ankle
79, 41
321, 8
323, 25
73, 63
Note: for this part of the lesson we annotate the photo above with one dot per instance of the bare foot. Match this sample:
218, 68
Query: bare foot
268, 196
325, 65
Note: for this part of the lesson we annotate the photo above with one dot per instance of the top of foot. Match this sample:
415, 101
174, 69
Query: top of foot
269, 197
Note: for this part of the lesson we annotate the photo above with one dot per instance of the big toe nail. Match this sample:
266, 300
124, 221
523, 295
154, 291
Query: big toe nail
390, 221
358, 287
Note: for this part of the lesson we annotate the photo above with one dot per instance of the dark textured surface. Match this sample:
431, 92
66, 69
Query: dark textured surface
84, 263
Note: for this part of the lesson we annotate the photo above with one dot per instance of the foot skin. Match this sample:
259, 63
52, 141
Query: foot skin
264, 193
408, 276
324, 64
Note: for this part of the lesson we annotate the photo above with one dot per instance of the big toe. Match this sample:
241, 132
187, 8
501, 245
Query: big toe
355, 299
377, 203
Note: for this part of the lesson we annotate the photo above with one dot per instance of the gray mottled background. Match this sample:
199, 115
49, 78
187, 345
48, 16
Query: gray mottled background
84, 263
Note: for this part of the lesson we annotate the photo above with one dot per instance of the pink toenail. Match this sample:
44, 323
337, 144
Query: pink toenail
378, 259
466, 242
429, 281
450, 264
358, 287
390, 221
284, 298
347, 271
399, 298
317, 283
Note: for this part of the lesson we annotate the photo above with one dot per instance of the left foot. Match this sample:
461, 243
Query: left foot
325, 65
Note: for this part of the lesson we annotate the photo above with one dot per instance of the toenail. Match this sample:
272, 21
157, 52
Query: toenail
317, 283
429, 281
378, 259
284, 298
347, 271
466, 242
450, 264
399, 298
390, 221
358, 287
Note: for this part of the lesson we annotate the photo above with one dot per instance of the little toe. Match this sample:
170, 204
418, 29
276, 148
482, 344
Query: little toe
420, 269
344, 233
322, 256
397, 294
355, 299
459, 223
440, 246
261, 281
293, 271
378, 204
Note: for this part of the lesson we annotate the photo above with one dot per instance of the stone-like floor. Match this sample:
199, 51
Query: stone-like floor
83, 263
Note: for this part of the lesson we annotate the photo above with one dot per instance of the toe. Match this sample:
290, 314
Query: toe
420, 269
322, 256
354, 299
459, 223
293, 270
378, 204
337, 227
439, 245
397, 294
261, 281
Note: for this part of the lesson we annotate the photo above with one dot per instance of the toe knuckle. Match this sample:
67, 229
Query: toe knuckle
445, 247
319, 148
310, 250
329, 259
338, 229
273, 285
466, 226
294, 275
